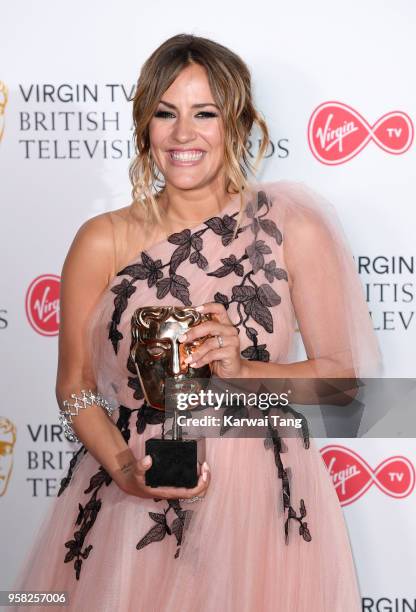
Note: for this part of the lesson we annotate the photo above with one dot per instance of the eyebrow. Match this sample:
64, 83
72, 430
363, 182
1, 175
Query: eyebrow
193, 105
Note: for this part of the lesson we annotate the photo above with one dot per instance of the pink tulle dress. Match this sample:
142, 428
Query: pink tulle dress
270, 534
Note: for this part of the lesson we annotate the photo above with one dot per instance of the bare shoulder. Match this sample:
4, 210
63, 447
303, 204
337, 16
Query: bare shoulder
92, 249
99, 231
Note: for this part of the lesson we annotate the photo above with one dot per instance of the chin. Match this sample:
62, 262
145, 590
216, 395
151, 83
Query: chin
185, 182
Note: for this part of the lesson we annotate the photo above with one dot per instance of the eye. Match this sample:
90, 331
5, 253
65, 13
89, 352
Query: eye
163, 114
156, 350
207, 114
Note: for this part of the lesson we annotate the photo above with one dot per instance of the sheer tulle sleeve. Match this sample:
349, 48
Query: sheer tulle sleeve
326, 291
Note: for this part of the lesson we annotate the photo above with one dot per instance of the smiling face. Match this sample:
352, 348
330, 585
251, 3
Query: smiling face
186, 132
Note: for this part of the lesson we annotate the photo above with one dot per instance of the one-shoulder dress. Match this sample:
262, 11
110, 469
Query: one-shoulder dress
270, 535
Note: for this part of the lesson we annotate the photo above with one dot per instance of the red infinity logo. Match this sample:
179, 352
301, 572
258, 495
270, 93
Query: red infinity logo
352, 476
337, 133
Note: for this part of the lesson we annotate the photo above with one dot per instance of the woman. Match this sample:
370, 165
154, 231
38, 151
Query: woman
263, 529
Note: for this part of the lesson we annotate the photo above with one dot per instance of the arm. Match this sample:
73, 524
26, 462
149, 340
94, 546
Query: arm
319, 301
86, 273
327, 298
328, 303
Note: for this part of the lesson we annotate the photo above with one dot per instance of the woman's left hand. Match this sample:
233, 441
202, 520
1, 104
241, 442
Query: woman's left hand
222, 351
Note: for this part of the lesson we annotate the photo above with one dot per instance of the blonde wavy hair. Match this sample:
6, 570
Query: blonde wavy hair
230, 82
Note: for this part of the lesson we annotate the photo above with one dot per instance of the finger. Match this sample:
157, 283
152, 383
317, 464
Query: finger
222, 354
177, 492
215, 308
209, 328
143, 464
211, 346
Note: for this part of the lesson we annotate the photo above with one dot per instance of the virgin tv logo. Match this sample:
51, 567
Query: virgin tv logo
42, 304
337, 133
352, 476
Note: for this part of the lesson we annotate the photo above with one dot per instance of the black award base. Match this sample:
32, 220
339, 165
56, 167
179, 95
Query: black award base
174, 462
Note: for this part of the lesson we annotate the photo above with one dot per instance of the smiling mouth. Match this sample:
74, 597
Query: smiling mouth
186, 156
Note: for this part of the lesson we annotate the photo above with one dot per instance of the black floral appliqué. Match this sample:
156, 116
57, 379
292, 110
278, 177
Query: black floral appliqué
86, 518
275, 442
189, 247
88, 513
252, 271
163, 528
254, 300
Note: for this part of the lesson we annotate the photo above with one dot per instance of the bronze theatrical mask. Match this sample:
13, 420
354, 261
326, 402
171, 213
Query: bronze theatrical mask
158, 355
159, 359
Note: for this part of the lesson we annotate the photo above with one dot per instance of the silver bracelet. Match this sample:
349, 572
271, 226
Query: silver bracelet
69, 410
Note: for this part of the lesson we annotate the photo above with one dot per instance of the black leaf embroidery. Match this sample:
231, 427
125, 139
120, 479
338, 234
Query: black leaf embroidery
252, 333
271, 229
267, 296
175, 284
146, 414
256, 302
178, 256
271, 272
134, 383
199, 259
74, 460
261, 199
148, 269
222, 299
86, 518
254, 299
155, 534
123, 292
162, 528
274, 441
256, 353
136, 271
230, 264
224, 227
196, 242
114, 335
163, 287
181, 238
256, 252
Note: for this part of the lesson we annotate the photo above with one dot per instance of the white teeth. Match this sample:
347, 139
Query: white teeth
186, 156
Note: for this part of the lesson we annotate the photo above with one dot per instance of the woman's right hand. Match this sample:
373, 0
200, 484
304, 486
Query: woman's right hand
132, 481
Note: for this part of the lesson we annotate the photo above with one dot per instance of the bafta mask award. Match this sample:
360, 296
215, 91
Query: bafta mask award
159, 359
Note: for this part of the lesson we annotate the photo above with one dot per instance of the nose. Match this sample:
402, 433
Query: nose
183, 130
175, 361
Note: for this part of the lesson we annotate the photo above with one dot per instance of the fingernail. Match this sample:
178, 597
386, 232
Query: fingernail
199, 308
205, 476
205, 467
147, 460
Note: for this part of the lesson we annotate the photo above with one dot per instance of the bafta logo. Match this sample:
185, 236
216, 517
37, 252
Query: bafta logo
159, 359
7, 442
3, 103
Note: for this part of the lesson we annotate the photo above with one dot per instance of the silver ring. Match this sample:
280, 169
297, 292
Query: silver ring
220, 341
190, 500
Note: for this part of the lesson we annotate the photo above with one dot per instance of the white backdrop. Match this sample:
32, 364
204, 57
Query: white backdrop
357, 56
